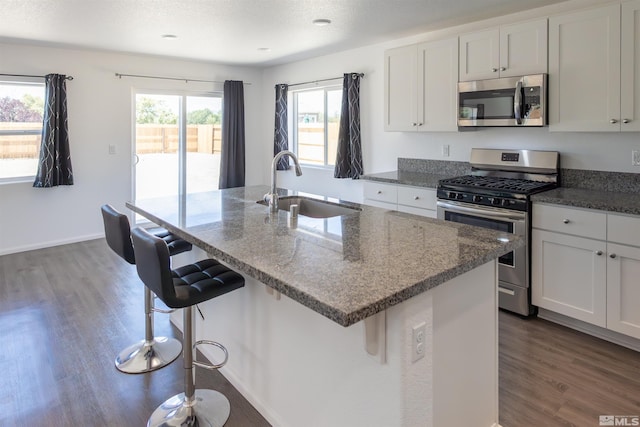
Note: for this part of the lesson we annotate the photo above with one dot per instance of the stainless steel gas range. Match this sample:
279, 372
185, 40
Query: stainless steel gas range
496, 195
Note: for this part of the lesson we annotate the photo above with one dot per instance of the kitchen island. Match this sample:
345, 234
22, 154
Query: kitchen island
372, 318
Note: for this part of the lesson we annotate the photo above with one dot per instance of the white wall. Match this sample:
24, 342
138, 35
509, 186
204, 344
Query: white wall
597, 151
100, 114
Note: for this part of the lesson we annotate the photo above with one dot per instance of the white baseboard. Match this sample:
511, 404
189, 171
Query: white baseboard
593, 330
49, 244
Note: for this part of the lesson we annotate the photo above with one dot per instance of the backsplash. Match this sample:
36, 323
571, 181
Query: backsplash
623, 182
438, 167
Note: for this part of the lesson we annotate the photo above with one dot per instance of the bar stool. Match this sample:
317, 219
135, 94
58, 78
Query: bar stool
153, 352
183, 288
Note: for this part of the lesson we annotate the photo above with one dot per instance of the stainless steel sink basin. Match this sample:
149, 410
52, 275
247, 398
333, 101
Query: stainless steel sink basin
313, 208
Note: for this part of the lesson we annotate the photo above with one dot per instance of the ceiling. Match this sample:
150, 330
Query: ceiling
242, 32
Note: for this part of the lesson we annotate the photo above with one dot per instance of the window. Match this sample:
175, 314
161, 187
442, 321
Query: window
177, 145
316, 123
21, 111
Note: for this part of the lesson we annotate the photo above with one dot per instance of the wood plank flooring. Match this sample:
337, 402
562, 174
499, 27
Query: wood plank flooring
66, 311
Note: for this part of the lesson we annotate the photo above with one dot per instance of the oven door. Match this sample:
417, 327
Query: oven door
513, 266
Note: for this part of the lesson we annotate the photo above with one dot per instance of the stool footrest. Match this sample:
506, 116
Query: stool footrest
211, 366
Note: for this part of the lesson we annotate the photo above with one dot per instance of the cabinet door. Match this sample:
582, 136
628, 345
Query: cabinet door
630, 71
480, 55
400, 89
437, 85
584, 70
523, 48
623, 289
568, 276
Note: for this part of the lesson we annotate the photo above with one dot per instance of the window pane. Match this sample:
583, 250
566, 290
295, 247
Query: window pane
311, 127
21, 111
204, 139
334, 107
157, 141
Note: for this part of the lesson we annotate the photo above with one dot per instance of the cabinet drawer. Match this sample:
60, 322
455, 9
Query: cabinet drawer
424, 198
623, 229
580, 222
381, 192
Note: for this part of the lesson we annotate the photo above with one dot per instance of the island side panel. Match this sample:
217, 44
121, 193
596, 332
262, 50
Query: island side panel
465, 353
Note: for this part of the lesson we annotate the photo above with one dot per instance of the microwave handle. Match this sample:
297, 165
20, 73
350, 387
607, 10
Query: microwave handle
517, 102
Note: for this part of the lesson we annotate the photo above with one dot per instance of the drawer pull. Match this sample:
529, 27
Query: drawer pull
566, 221
613, 121
416, 198
625, 121
379, 191
495, 70
612, 256
598, 253
503, 68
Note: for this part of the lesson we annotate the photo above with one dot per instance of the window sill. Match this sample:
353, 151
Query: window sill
18, 180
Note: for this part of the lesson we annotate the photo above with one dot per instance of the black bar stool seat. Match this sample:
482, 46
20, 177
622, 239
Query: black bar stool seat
153, 352
183, 288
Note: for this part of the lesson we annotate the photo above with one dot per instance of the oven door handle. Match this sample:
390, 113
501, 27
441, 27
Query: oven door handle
485, 212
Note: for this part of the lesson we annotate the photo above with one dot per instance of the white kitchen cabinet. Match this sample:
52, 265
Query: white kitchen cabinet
510, 50
404, 198
420, 87
568, 276
594, 57
586, 264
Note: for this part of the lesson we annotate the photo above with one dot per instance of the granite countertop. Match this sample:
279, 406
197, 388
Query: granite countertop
346, 268
612, 201
417, 179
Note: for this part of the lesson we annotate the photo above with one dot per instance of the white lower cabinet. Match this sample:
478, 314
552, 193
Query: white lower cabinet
404, 198
586, 265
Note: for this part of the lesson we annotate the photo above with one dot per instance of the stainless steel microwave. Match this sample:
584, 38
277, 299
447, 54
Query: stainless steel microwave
509, 101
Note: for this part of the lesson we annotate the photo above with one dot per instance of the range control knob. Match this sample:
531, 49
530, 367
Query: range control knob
494, 201
477, 198
506, 202
460, 196
451, 195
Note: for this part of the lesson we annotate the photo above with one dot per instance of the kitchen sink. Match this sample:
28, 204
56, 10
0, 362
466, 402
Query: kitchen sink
313, 208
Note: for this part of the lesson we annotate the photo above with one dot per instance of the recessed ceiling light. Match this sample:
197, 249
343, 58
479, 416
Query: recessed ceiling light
321, 22
169, 36
264, 49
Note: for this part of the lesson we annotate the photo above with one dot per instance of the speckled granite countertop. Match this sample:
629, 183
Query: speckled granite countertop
612, 201
346, 268
417, 179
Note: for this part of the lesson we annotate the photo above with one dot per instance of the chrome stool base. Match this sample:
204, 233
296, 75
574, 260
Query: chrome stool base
145, 356
209, 409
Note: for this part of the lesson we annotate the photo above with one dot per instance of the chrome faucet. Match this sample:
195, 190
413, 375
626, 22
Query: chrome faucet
272, 196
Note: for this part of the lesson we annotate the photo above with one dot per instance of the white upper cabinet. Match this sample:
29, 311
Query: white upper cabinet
420, 87
511, 50
594, 58
630, 67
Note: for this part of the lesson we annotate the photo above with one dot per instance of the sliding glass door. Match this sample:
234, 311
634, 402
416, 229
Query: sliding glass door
177, 144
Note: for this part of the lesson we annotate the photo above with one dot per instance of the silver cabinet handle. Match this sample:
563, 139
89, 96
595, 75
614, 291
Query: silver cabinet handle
613, 121
598, 253
419, 124
613, 256
414, 124
495, 70
379, 191
625, 120
566, 221
416, 198
503, 68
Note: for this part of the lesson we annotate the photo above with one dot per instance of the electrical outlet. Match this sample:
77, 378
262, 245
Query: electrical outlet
445, 150
112, 149
635, 157
418, 341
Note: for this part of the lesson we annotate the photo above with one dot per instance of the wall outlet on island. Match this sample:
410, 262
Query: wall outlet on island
445, 150
635, 157
418, 338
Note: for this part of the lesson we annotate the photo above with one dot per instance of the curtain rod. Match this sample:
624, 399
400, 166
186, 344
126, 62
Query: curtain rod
28, 75
324, 80
120, 75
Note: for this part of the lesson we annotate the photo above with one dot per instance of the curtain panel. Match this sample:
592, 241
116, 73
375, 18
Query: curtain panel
349, 152
232, 155
281, 132
54, 164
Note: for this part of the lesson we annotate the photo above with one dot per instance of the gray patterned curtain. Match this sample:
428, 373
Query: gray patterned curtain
281, 137
349, 155
232, 161
54, 166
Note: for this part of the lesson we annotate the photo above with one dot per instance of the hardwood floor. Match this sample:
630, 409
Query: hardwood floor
66, 311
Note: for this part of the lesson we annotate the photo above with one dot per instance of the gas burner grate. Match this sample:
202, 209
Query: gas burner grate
515, 185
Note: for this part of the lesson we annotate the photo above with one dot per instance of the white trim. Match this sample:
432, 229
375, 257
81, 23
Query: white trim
51, 243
